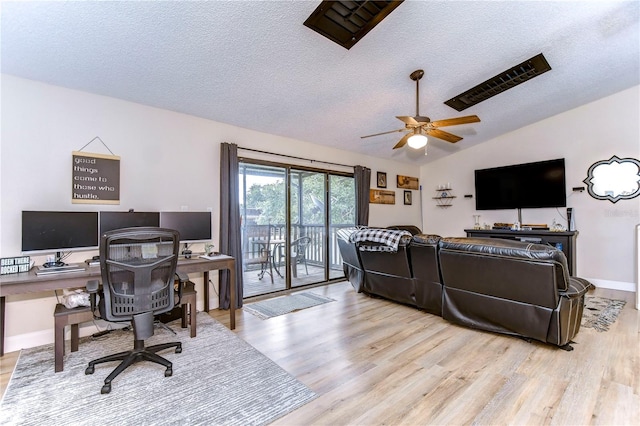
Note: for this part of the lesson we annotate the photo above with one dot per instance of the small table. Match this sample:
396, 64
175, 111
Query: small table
276, 244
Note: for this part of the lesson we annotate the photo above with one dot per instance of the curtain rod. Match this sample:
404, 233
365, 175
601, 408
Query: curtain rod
293, 156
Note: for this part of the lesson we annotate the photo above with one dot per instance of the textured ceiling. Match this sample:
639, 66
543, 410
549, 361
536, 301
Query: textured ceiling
255, 65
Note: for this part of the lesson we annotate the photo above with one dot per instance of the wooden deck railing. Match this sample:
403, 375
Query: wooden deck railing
315, 250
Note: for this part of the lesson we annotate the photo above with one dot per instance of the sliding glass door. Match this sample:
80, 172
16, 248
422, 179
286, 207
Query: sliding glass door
342, 214
262, 215
290, 215
307, 227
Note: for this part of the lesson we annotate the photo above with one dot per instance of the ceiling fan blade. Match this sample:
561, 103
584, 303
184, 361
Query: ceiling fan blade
383, 133
441, 134
402, 141
456, 121
408, 120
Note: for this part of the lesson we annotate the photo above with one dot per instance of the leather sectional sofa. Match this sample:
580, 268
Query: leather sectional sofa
503, 286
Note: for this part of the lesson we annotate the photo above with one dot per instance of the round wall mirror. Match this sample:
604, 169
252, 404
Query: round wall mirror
614, 179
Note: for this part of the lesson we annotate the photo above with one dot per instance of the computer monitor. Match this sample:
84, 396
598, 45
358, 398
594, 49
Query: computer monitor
58, 231
117, 220
192, 226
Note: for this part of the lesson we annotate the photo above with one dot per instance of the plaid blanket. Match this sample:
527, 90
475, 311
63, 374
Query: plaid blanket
387, 239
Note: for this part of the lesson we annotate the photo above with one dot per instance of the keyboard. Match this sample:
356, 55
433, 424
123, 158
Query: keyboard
59, 269
212, 257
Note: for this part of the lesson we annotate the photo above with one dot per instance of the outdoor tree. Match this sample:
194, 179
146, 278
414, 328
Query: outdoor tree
267, 200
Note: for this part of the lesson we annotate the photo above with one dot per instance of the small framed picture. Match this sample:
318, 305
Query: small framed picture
382, 180
407, 198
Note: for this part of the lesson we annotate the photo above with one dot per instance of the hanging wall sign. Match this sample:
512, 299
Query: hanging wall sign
95, 178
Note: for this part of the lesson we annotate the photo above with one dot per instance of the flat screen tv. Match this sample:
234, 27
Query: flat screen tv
192, 226
118, 220
531, 185
55, 231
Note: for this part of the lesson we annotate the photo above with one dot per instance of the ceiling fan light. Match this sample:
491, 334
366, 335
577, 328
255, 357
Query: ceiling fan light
417, 141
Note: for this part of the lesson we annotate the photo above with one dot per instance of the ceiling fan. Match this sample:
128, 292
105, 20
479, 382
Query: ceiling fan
418, 127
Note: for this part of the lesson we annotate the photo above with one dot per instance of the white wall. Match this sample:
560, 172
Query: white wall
168, 160
592, 132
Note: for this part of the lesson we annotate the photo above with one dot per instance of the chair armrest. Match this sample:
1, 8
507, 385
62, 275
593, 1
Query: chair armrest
577, 288
182, 277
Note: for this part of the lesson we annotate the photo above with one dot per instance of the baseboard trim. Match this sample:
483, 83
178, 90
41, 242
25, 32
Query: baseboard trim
44, 337
27, 340
613, 285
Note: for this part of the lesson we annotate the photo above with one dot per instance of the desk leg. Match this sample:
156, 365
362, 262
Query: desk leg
205, 276
2, 326
232, 296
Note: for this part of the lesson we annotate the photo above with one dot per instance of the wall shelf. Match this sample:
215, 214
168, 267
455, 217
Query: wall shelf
444, 197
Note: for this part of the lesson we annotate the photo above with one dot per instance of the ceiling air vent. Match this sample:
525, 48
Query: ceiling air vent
346, 22
504, 81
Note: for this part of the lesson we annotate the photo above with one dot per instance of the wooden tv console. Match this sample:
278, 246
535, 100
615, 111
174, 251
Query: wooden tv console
567, 239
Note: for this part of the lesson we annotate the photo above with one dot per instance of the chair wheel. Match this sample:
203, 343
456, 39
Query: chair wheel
168, 372
106, 388
90, 369
178, 349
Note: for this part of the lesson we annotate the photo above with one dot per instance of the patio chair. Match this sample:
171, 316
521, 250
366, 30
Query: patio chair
298, 254
257, 249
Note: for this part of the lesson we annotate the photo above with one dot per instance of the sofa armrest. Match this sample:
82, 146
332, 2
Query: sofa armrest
577, 288
586, 283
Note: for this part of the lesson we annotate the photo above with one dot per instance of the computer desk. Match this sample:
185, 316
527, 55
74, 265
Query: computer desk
29, 282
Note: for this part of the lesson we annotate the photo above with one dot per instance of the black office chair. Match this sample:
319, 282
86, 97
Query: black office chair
138, 267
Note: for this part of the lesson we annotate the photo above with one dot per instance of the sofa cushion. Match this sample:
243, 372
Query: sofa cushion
514, 250
423, 252
503, 247
388, 273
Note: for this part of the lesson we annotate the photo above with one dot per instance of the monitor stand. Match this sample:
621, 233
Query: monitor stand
186, 252
57, 266
57, 263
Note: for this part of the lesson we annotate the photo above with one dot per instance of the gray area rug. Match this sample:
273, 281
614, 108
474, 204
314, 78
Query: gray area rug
218, 379
285, 304
599, 312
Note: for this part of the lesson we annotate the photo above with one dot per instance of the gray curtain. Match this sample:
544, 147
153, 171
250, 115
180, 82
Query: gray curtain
362, 177
230, 221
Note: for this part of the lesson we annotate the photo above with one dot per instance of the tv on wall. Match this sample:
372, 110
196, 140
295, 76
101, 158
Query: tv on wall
531, 185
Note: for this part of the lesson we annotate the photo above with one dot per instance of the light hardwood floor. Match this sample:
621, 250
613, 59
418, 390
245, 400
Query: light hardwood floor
374, 362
